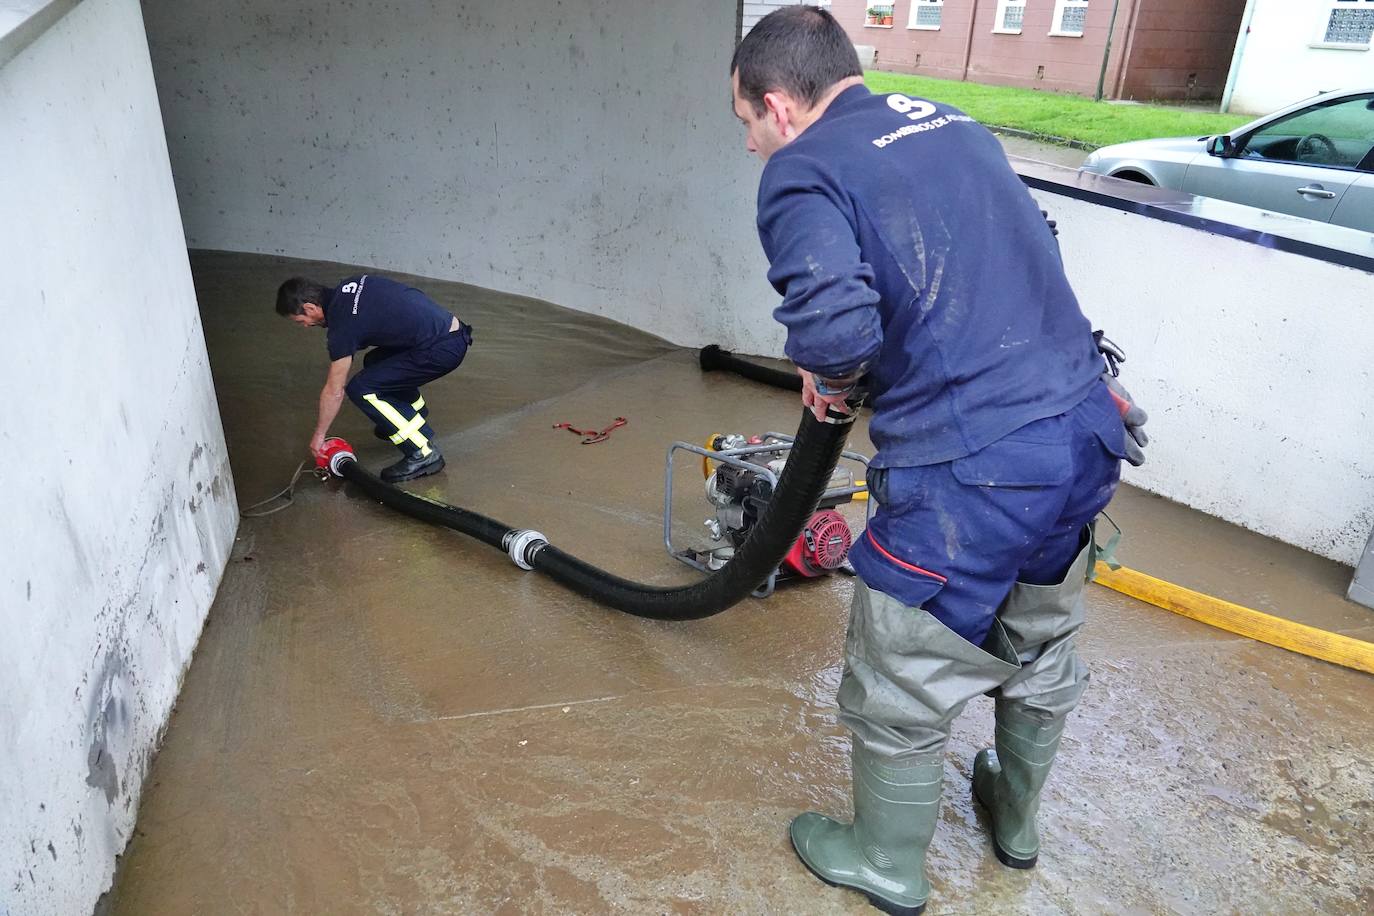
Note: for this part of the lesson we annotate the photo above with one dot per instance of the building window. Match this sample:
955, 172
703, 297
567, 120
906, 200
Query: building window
1010, 14
925, 14
1069, 16
879, 15
1350, 22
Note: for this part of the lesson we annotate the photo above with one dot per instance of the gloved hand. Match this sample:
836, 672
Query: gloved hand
1052, 223
1132, 415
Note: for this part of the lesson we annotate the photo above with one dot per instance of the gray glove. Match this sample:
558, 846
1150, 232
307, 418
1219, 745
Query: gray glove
1132, 415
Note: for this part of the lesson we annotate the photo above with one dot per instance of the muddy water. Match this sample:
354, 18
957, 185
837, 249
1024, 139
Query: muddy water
388, 718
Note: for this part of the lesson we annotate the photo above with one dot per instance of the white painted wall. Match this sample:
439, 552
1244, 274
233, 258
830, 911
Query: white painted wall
1280, 66
1256, 367
119, 510
581, 152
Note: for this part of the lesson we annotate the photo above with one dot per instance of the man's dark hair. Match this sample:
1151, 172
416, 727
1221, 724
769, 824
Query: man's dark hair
801, 50
296, 292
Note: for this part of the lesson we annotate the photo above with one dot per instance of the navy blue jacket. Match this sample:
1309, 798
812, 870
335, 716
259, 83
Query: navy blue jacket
901, 240
372, 311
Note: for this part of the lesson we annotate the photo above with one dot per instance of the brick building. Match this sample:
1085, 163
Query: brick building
1160, 49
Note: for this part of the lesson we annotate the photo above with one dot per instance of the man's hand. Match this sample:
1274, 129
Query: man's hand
1052, 223
817, 402
317, 444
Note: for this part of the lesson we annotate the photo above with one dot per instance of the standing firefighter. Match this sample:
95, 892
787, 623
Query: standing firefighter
414, 341
909, 255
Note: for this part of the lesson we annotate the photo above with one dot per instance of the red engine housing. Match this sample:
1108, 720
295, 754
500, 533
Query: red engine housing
822, 547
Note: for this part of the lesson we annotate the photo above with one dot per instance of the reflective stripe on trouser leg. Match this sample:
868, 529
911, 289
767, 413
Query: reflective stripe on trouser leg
406, 430
907, 676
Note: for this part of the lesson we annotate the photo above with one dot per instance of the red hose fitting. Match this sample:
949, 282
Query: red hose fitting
335, 453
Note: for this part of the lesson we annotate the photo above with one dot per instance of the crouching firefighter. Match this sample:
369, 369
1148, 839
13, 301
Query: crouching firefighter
413, 341
910, 256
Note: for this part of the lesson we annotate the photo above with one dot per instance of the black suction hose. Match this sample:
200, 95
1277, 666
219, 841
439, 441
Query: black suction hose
803, 482
487, 530
713, 358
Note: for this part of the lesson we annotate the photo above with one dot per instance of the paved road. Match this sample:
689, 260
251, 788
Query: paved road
1045, 152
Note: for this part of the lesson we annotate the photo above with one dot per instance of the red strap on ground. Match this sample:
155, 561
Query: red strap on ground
593, 436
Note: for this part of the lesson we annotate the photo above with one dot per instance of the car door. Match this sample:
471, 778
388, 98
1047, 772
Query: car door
1356, 209
1302, 163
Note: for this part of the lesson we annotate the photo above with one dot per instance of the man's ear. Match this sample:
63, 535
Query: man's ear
779, 109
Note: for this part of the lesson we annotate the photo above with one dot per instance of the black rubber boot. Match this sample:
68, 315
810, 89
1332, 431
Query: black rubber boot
413, 466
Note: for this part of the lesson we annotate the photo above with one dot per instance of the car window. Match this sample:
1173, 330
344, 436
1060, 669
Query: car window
1338, 133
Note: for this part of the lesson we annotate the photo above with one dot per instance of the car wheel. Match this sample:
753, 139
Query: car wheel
1138, 177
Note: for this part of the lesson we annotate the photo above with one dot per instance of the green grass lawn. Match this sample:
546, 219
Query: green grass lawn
1052, 114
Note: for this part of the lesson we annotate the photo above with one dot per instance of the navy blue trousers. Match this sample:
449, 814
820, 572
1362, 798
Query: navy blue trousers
388, 388
953, 538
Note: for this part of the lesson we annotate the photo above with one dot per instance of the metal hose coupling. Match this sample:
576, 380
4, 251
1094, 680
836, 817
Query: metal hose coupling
853, 401
522, 545
840, 418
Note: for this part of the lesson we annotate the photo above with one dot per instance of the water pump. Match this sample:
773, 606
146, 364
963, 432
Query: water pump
741, 477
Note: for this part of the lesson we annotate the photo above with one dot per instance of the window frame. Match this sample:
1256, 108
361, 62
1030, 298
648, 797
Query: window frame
917, 6
1329, 10
1057, 29
1002, 7
875, 4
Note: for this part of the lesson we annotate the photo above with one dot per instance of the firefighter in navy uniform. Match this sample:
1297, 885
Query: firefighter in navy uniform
912, 258
413, 341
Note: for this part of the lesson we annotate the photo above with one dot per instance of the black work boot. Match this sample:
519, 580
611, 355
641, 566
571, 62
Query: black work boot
413, 466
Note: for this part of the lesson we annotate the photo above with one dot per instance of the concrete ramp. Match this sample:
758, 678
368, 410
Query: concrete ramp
387, 717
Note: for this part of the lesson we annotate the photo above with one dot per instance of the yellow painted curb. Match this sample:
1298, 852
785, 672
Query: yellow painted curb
1243, 621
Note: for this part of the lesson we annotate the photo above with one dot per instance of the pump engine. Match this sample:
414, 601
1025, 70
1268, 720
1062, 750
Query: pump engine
740, 493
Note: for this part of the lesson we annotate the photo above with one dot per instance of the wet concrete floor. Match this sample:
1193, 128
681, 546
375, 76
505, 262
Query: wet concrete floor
384, 717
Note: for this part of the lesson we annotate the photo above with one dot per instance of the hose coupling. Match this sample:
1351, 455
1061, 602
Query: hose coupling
522, 545
838, 418
335, 454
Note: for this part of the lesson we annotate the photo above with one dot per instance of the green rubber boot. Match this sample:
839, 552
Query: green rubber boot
883, 853
1007, 781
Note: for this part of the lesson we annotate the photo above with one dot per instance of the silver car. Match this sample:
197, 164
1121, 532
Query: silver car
1313, 159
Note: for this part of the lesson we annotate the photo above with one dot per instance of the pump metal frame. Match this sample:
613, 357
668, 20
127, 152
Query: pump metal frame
774, 442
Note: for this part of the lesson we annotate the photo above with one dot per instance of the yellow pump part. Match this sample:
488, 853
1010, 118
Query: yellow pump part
1243, 621
706, 462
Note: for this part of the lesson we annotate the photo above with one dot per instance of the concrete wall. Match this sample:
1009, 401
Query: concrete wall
1255, 366
119, 509
588, 156
1280, 65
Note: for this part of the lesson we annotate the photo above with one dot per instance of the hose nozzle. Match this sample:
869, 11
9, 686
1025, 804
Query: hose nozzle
335, 454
